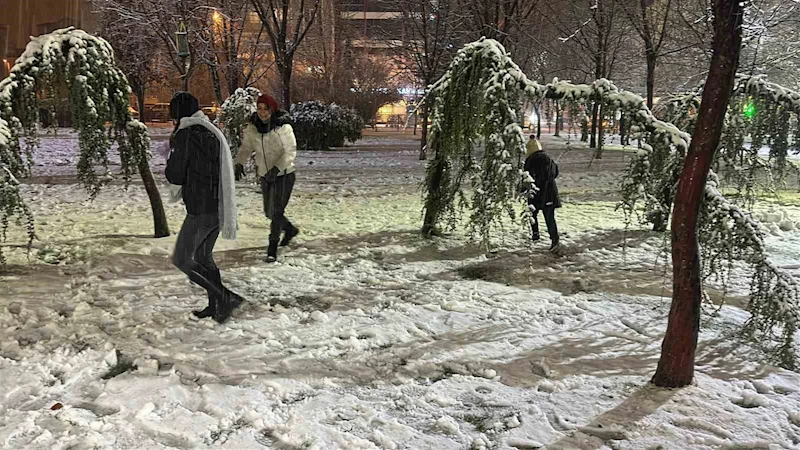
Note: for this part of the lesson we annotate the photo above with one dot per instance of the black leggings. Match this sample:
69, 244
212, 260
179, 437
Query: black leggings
550, 220
276, 196
193, 251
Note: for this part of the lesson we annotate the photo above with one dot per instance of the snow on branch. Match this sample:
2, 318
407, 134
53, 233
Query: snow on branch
98, 93
729, 232
477, 141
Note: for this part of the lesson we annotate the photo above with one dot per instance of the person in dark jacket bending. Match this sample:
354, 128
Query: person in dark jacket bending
544, 196
200, 163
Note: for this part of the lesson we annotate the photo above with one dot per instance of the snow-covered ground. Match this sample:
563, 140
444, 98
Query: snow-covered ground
365, 335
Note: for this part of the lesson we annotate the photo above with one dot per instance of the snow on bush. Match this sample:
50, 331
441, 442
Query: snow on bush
320, 127
236, 112
316, 126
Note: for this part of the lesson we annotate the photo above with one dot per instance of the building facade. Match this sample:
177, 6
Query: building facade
21, 19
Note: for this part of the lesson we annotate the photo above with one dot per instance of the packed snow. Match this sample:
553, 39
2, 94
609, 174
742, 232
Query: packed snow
365, 335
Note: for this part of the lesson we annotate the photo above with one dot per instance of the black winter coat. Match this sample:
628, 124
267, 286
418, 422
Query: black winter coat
194, 164
544, 172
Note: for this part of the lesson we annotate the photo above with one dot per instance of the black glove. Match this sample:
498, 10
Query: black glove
271, 175
238, 172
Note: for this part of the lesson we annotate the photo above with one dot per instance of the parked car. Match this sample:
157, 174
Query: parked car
157, 112
134, 113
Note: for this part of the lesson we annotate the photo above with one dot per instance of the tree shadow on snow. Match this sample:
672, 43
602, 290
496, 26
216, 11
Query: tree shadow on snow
373, 246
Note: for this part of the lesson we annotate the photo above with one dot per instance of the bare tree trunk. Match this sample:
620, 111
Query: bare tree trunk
212, 69
651, 76
598, 154
593, 133
676, 366
286, 84
538, 122
558, 119
433, 200
423, 142
160, 224
140, 102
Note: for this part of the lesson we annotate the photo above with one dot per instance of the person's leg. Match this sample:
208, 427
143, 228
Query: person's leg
195, 231
534, 223
552, 227
204, 256
282, 190
290, 231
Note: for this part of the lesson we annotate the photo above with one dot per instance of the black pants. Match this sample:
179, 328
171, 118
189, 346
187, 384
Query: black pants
549, 219
193, 251
276, 196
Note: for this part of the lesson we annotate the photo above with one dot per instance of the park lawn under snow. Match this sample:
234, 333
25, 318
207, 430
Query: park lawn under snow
366, 336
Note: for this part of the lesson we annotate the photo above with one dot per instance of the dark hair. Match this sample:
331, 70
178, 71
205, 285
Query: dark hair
183, 104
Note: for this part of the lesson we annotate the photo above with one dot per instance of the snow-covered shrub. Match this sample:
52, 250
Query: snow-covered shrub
236, 112
316, 126
320, 127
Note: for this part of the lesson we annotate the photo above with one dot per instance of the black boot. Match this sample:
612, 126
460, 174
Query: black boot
272, 252
289, 235
230, 301
208, 311
534, 231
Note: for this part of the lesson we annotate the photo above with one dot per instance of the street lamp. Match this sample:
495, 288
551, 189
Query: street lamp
181, 41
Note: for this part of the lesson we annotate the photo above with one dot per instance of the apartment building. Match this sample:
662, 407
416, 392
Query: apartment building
21, 19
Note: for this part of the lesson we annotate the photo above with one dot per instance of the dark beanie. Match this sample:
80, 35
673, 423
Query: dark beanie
271, 103
183, 104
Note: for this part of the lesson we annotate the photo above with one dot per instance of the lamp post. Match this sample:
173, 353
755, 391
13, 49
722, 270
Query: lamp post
182, 47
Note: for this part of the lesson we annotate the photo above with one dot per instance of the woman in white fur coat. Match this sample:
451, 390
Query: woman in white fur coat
270, 137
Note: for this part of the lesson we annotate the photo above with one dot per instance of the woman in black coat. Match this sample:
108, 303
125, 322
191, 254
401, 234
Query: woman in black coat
200, 163
544, 196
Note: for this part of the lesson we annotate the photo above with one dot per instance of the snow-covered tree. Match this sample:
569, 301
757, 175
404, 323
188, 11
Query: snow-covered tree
235, 115
477, 106
287, 23
477, 103
764, 112
98, 93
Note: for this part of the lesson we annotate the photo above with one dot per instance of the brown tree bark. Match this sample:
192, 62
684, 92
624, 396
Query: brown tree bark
593, 133
286, 85
423, 142
651, 57
676, 366
160, 224
432, 202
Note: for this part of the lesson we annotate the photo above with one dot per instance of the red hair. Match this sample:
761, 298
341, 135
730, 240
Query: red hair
271, 103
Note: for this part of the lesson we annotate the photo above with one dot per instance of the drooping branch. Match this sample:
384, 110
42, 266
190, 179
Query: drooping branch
98, 93
477, 143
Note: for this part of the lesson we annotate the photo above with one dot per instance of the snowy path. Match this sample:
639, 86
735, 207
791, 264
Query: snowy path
365, 336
